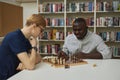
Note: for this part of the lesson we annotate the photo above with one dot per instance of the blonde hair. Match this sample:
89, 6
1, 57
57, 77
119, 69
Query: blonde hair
37, 19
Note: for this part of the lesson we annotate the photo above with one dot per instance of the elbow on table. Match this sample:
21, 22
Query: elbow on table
31, 67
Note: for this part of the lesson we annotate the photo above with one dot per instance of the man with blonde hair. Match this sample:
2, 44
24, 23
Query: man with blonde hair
18, 49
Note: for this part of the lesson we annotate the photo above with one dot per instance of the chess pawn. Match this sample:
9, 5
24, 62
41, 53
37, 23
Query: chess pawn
56, 61
67, 65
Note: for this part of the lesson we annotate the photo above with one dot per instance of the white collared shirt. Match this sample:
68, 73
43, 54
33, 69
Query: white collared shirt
90, 42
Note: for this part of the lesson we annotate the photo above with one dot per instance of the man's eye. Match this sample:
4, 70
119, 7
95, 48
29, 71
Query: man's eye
76, 29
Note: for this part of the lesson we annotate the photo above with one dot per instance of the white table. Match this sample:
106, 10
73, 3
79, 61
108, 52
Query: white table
108, 69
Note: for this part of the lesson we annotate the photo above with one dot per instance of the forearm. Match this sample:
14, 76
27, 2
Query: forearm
95, 55
20, 67
38, 58
33, 56
34, 60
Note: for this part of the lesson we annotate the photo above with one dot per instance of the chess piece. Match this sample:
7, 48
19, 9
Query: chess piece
67, 66
56, 61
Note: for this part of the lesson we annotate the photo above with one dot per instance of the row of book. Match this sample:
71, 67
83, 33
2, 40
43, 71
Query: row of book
53, 34
108, 6
101, 21
110, 36
108, 21
55, 48
59, 35
49, 48
89, 6
80, 6
51, 7
115, 51
54, 22
51, 22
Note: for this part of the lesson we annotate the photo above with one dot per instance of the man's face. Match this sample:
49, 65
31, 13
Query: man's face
80, 31
38, 30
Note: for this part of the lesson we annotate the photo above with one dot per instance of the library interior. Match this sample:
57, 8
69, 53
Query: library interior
73, 39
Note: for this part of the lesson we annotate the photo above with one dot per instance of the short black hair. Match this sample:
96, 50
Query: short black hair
78, 21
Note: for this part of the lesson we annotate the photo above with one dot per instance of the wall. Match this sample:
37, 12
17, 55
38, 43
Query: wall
11, 18
28, 9
10, 2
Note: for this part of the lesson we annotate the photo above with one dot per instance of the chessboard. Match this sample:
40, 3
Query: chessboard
58, 63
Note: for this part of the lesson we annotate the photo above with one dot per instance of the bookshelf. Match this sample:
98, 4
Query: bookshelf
103, 19
108, 24
54, 35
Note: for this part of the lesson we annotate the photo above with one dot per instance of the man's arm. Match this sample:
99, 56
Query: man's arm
38, 58
62, 55
21, 66
29, 61
102, 52
93, 55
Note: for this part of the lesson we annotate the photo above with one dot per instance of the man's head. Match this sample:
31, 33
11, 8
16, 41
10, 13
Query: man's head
37, 22
37, 19
79, 28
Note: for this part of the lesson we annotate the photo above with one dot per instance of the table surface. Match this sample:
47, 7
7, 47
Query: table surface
107, 69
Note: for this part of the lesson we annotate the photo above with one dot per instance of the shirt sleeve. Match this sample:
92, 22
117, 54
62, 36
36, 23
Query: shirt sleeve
17, 45
104, 50
65, 49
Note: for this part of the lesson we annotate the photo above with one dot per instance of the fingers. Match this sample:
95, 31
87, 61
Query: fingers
79, 55
19, 67
33, 41
62, 55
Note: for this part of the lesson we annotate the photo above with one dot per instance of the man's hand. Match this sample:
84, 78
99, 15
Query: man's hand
38, 58
20, 67
62, 55
33, 41
79, 55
